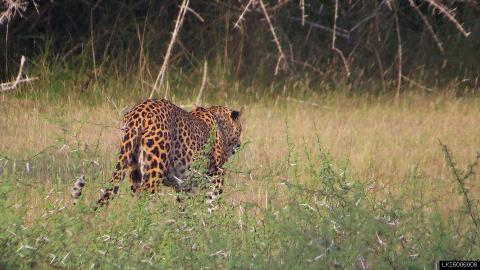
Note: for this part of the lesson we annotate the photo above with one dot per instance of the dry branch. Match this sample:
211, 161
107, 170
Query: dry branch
334, 35
12, 8
93, 46
279, 4
161, 75
399, 40
427, 24
241, 17
364, 20
461, 178
380, 66
417, 84
340, 32
275, 38
302, 9
204, 80
12, 85
449, 14
196, 14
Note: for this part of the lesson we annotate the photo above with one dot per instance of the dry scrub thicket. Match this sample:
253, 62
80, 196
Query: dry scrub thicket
380, 45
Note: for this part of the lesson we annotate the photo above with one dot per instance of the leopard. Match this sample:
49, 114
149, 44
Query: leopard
161, 140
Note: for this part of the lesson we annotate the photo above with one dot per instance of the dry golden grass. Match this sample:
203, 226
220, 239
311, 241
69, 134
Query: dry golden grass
391, 147
383, 141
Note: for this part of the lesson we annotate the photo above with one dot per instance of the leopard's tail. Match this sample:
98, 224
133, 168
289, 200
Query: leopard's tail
134, 160
127, 162
76, 190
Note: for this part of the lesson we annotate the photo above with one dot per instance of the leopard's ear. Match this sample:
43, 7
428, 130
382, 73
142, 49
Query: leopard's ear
194, 107
235, 115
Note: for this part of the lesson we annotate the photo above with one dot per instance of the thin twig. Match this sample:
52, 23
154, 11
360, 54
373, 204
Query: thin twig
93, 44
140, 55
12, 85
461, 179
306, 64
20, 71
161, 75
380, 66
242, 15
399, 52
302, 101
334, 35
6, 48
204, 80
442, 9
364, 20
275, 38
12, 8
340, 32
427, 24
302, 9
280, 4
196, 14
417, 84
369, 17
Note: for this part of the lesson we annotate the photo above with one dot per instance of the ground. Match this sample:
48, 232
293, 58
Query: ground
309, 172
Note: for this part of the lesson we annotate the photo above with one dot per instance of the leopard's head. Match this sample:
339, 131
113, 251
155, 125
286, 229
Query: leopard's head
229, 123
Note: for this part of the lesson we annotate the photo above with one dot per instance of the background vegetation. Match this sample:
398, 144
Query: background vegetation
373, 168
385, 44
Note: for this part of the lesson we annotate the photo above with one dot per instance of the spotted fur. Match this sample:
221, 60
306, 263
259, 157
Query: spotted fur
161, 141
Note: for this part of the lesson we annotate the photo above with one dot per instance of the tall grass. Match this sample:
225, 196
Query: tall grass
324, 180
326, 218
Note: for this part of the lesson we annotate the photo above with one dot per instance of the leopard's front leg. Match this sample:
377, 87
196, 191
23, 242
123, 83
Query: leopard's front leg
214, 190
215, 174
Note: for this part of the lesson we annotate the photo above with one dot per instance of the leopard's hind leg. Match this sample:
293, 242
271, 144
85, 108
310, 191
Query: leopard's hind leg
127, 161
153, 159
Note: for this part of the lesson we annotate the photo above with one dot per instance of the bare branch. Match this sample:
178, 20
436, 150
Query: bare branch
427, 24
281, 56
371, 16
461, 179
340, 32
334, 35
399, 52
161, 75
417, 84
196, 14
449, 14
12, 85
93, 45
204, 80
13, 8
380, 66
364, 20
302, 9
245, 10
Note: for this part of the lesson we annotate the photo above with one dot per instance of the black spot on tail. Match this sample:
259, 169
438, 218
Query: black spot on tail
133, 155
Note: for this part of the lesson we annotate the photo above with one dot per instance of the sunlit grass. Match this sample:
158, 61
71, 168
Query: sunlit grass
318, 181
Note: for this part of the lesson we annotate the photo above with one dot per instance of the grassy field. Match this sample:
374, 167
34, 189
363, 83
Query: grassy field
328, 181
